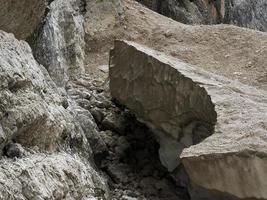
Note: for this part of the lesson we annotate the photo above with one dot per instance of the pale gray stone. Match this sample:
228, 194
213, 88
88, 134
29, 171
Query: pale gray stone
55, 176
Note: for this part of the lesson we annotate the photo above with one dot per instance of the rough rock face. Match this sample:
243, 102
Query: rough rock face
162, 90
21, 17
57, 176
246, 13
60, 43
35, 116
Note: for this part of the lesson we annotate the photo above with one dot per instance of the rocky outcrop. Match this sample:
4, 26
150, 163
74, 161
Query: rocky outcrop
22, 17
60, 42
182, 104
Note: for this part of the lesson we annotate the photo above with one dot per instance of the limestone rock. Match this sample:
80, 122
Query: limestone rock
57, 176
21, 17
183, 103
60, 43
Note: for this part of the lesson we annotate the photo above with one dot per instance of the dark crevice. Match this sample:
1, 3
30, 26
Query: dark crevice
132, 163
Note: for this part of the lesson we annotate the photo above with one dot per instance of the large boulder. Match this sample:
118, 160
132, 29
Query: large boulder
184, 104
59, 46
21, 17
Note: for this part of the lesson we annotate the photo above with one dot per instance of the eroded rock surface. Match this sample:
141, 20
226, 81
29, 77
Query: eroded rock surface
21, 17
162, 90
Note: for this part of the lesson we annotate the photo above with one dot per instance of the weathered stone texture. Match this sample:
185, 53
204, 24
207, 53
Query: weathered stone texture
57, 176
21, 17
171, 96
